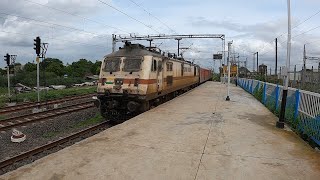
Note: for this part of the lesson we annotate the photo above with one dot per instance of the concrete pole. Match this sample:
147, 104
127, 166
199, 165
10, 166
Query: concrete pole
304, 73
312, 78
295, 74
280, 122
318, 74
276, 68
229, 66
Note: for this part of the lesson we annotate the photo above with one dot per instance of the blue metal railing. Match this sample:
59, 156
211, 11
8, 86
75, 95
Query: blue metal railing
302, 108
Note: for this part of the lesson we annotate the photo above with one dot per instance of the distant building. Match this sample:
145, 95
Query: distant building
244, 72
263, 69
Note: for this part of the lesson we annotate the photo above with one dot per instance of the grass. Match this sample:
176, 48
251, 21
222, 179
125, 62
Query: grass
95, 120
83, 124
2, 117
52, 94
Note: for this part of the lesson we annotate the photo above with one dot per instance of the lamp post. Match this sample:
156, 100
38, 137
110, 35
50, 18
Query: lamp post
228, 59
280, 122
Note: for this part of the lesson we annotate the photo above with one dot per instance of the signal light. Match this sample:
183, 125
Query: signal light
37, 45
7, 59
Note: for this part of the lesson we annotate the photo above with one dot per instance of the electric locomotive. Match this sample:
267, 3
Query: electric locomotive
135, 78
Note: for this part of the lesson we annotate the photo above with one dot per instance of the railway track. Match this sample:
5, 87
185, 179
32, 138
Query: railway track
57, 143
30, 105
9, 123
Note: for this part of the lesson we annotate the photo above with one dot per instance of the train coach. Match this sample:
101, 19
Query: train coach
135, 78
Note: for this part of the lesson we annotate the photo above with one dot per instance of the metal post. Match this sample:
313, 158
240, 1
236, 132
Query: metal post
38, 79
257, 61
312, 78
8, 74
295, 74
253, 65
280, 123
114, 42
318, 74
276, 69
178, 39
228, 59
303, 77
270, 71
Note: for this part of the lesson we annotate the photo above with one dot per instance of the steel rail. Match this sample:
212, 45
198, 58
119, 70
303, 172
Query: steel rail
29, 118
48, 146
30, 105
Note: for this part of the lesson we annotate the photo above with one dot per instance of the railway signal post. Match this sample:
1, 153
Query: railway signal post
37, 48
7, 59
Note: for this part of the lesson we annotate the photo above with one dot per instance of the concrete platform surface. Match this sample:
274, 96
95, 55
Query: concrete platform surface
195, 136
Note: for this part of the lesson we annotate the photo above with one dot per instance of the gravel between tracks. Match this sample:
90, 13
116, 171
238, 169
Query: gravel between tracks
40, 133
62, 104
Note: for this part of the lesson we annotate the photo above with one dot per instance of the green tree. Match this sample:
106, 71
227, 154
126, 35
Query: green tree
53, 65
95, 69
81, 68
30, 67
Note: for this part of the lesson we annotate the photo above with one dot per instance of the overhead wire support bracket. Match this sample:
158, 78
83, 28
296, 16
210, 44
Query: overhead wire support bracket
133, 37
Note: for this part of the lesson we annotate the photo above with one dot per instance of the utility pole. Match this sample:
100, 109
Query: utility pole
257, 61
276, 69
312, 77
270, 71
228, 85
294, 75
303, 77
114, 37
319, 73
280, 122
254, 62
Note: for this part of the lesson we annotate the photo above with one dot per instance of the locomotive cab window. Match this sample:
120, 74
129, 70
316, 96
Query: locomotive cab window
112, 65
132, 64
159, 66
154, 65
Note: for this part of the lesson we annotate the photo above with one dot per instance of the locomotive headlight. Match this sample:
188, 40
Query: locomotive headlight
96, 101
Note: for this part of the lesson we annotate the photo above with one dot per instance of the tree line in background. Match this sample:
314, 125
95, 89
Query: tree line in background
52, 72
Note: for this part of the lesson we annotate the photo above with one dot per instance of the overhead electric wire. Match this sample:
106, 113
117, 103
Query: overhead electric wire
78, 42
150, 14
305, 20
36, 20
76, 15
129, 16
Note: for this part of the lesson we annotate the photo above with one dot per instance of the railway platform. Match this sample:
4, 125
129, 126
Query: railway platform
197, 135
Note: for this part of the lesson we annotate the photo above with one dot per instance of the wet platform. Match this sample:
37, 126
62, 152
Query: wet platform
197, 135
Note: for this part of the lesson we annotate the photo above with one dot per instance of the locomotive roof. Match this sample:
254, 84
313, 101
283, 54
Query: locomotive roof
133, 50
139, 50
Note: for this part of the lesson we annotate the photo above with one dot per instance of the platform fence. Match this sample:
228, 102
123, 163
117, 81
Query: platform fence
302, 108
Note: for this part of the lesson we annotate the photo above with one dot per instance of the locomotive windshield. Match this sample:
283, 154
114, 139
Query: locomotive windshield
112, 65
132, 64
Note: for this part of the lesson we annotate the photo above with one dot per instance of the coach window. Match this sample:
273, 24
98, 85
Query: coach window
154, 65
169, 66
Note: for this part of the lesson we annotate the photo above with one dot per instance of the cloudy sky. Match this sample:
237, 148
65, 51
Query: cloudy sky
78, 29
